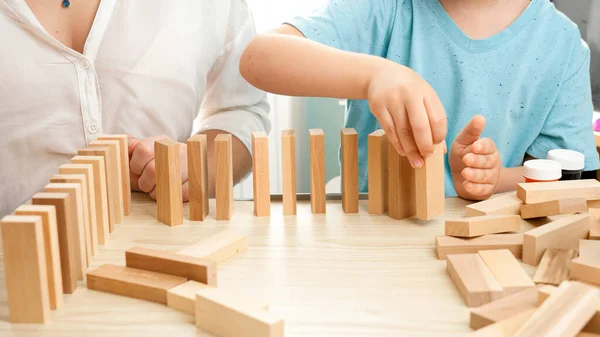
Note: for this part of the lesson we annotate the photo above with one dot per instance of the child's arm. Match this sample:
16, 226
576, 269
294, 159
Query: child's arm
406, 106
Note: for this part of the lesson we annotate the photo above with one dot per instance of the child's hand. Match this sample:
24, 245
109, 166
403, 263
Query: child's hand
409, 111
475, 163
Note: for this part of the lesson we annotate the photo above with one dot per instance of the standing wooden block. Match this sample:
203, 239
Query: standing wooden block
317, 171
169, 202
260, 174
183, 297
113, 173
563, 233
595, 226
223, 176
349, 166
378, 172
401, 186
586, 267
101, 194
473, 279
553, 207
504, 328
219, 247
216, 309
288, 171
554, 266
508, 204
131, 282
445, 245
68, 238
481, 225
198, 177
192, 268
532, 193
25, 269
565, 313
506, 270
504, 308
125, 177
429, 190
51, 249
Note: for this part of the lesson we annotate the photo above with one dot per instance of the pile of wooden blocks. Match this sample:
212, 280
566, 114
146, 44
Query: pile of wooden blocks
482, 251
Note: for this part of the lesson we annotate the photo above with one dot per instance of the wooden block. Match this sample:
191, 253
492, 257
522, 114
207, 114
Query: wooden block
481, 225
113, 173
593, 203
473, 279
216, 309
553, 207
593, 326
445, 245
508, 204
25, 269
506, 270
260, 174
219, 247
401, 186
378, 172
565, 313
80, 179
198, 177
543, 293
125, 177
554, 266
429, 190
131, 282
192, 268
78, 230
288, 171
504, 308
68, 237
47, 214
223, 176
317, 171
589, 248
563, 233
101, 194
183, 297
169, 202
504, 328
532, 193
595, 226
349, 170
586, 267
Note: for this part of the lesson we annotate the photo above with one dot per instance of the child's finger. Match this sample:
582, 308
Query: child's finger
482, 161
471, 132
479, 176
437, 118
484, 146
478, 190
387, 124
421, 130
147, 180
406, 137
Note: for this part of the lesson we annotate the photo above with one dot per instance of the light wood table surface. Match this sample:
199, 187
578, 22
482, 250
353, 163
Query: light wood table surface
326, 275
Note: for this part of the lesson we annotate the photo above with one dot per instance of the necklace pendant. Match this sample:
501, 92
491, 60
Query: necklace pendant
66, 3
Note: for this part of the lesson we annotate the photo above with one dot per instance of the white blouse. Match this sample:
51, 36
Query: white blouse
149, 68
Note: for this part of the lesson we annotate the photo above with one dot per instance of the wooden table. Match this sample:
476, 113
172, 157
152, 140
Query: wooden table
326, 275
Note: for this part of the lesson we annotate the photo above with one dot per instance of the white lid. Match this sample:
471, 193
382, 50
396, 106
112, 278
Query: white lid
542, 169
570, 160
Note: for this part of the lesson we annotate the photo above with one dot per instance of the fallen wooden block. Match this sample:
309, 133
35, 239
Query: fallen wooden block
589, 248
401, 186
593, 326
543, 293
131, 282
223, 176
507, 204
429, 189
554, 266
288, 171
125, 177
25, 269
481, 225
473, 279
504, 328
113, 172
595, 226
197, 151
445, 245
532, 193
504, 308
317, 171
219, 247
563, 233
553, 207
169, 199
216, 309
192, 268
183, 297
586, 267
506, 270
260, 174
349, 170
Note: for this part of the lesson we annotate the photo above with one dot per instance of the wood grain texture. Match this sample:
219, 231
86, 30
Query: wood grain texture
25, 268
401, 186
473, 279
553, 207
131, 282
349, 170
192, 268
504, 308
125, 177
593, 326
47, 214
288, 171
481, 225
563, 233
198, 177
506, 270
554, 266
532, 193
429, 189
595, 225
378, 172
586, 269
508, 204
261, 179
317, 170
223, 176
183, 297
504, 328
445, 245
169, 202
115, 178
219, 247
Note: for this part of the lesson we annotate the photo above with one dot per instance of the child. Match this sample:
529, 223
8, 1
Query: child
521, 65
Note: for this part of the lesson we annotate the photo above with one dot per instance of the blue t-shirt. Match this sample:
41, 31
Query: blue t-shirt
531, 81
